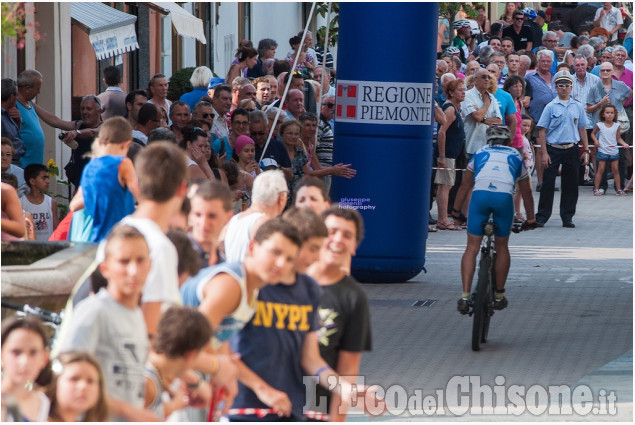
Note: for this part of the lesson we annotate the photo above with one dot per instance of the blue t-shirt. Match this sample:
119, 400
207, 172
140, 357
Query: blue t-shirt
105, 199
225, 147
505, 103
193, 97
541, 94
271, 343
32, 136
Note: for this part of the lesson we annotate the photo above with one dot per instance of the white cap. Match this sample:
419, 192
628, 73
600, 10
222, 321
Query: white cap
268, 162
563, 75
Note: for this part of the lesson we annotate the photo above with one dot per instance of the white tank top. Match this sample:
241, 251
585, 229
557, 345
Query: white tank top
42, 217
608, 138
238, 235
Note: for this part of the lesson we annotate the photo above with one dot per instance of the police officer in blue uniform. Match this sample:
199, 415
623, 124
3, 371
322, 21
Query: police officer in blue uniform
562, 128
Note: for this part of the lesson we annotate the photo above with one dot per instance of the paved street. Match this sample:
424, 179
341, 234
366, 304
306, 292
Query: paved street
569, 321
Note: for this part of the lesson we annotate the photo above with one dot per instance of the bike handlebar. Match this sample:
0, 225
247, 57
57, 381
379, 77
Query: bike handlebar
524, 226
45, 315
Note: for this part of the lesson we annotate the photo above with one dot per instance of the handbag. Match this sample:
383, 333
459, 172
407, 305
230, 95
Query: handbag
622, 120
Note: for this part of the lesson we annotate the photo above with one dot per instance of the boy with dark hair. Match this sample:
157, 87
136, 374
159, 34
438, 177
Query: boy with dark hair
182, 333
311, 193
110, 324
270, 369
226, 293
134, 101
344, 310
189, 261
280, 344
161, 169
113, 99
42, 207
109, 185
148, 118
211, 209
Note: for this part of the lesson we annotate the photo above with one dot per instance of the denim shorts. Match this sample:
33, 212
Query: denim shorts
606, 157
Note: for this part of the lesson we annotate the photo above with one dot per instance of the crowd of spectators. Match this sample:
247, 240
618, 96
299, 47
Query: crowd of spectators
510, 72
185, 199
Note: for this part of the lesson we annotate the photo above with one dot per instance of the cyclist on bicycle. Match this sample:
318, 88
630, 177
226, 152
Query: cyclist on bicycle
493, 172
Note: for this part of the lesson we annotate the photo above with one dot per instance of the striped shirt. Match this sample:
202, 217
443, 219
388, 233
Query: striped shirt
324, 149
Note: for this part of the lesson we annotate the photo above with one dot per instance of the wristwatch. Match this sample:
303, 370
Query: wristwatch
79, 132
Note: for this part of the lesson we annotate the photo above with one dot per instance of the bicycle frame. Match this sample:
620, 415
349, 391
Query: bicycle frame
482, 300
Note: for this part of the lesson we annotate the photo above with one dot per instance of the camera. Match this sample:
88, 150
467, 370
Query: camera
72, 144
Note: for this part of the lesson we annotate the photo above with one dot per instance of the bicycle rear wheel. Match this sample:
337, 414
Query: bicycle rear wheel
481, 299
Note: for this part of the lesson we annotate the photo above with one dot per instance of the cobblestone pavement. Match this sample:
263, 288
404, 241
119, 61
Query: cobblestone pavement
569, 322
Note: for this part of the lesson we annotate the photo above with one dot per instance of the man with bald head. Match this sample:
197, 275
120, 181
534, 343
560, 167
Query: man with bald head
472, 67
524, 65
505, 101
248, 91
295, 104
442, 67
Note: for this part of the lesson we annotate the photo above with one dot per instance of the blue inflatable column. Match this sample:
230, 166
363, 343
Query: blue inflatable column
386, 64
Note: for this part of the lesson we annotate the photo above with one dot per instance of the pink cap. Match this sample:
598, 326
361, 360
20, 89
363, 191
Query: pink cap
241, 142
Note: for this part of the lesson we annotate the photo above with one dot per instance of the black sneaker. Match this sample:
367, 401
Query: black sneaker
500, 304
463, 306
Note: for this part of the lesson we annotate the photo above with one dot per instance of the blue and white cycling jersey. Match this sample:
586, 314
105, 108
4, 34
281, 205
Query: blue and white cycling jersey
497, 169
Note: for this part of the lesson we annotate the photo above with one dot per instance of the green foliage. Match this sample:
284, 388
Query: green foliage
13, 22
322, 9
450, 9
180, 83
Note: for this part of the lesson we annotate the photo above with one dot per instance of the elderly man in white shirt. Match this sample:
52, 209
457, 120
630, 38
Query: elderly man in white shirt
480, 110
609, 17
582, 83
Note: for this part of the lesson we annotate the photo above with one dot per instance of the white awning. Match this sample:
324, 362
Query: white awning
111, 32
185, 24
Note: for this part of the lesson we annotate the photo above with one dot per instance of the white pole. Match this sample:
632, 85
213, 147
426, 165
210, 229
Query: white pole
326, 45
286, 89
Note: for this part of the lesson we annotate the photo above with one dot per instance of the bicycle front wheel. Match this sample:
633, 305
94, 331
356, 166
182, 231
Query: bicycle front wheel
481, 298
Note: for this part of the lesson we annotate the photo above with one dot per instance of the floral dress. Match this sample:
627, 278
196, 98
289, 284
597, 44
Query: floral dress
301, 66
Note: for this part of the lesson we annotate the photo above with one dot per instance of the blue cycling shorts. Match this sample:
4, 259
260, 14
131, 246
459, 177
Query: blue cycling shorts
482, 204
